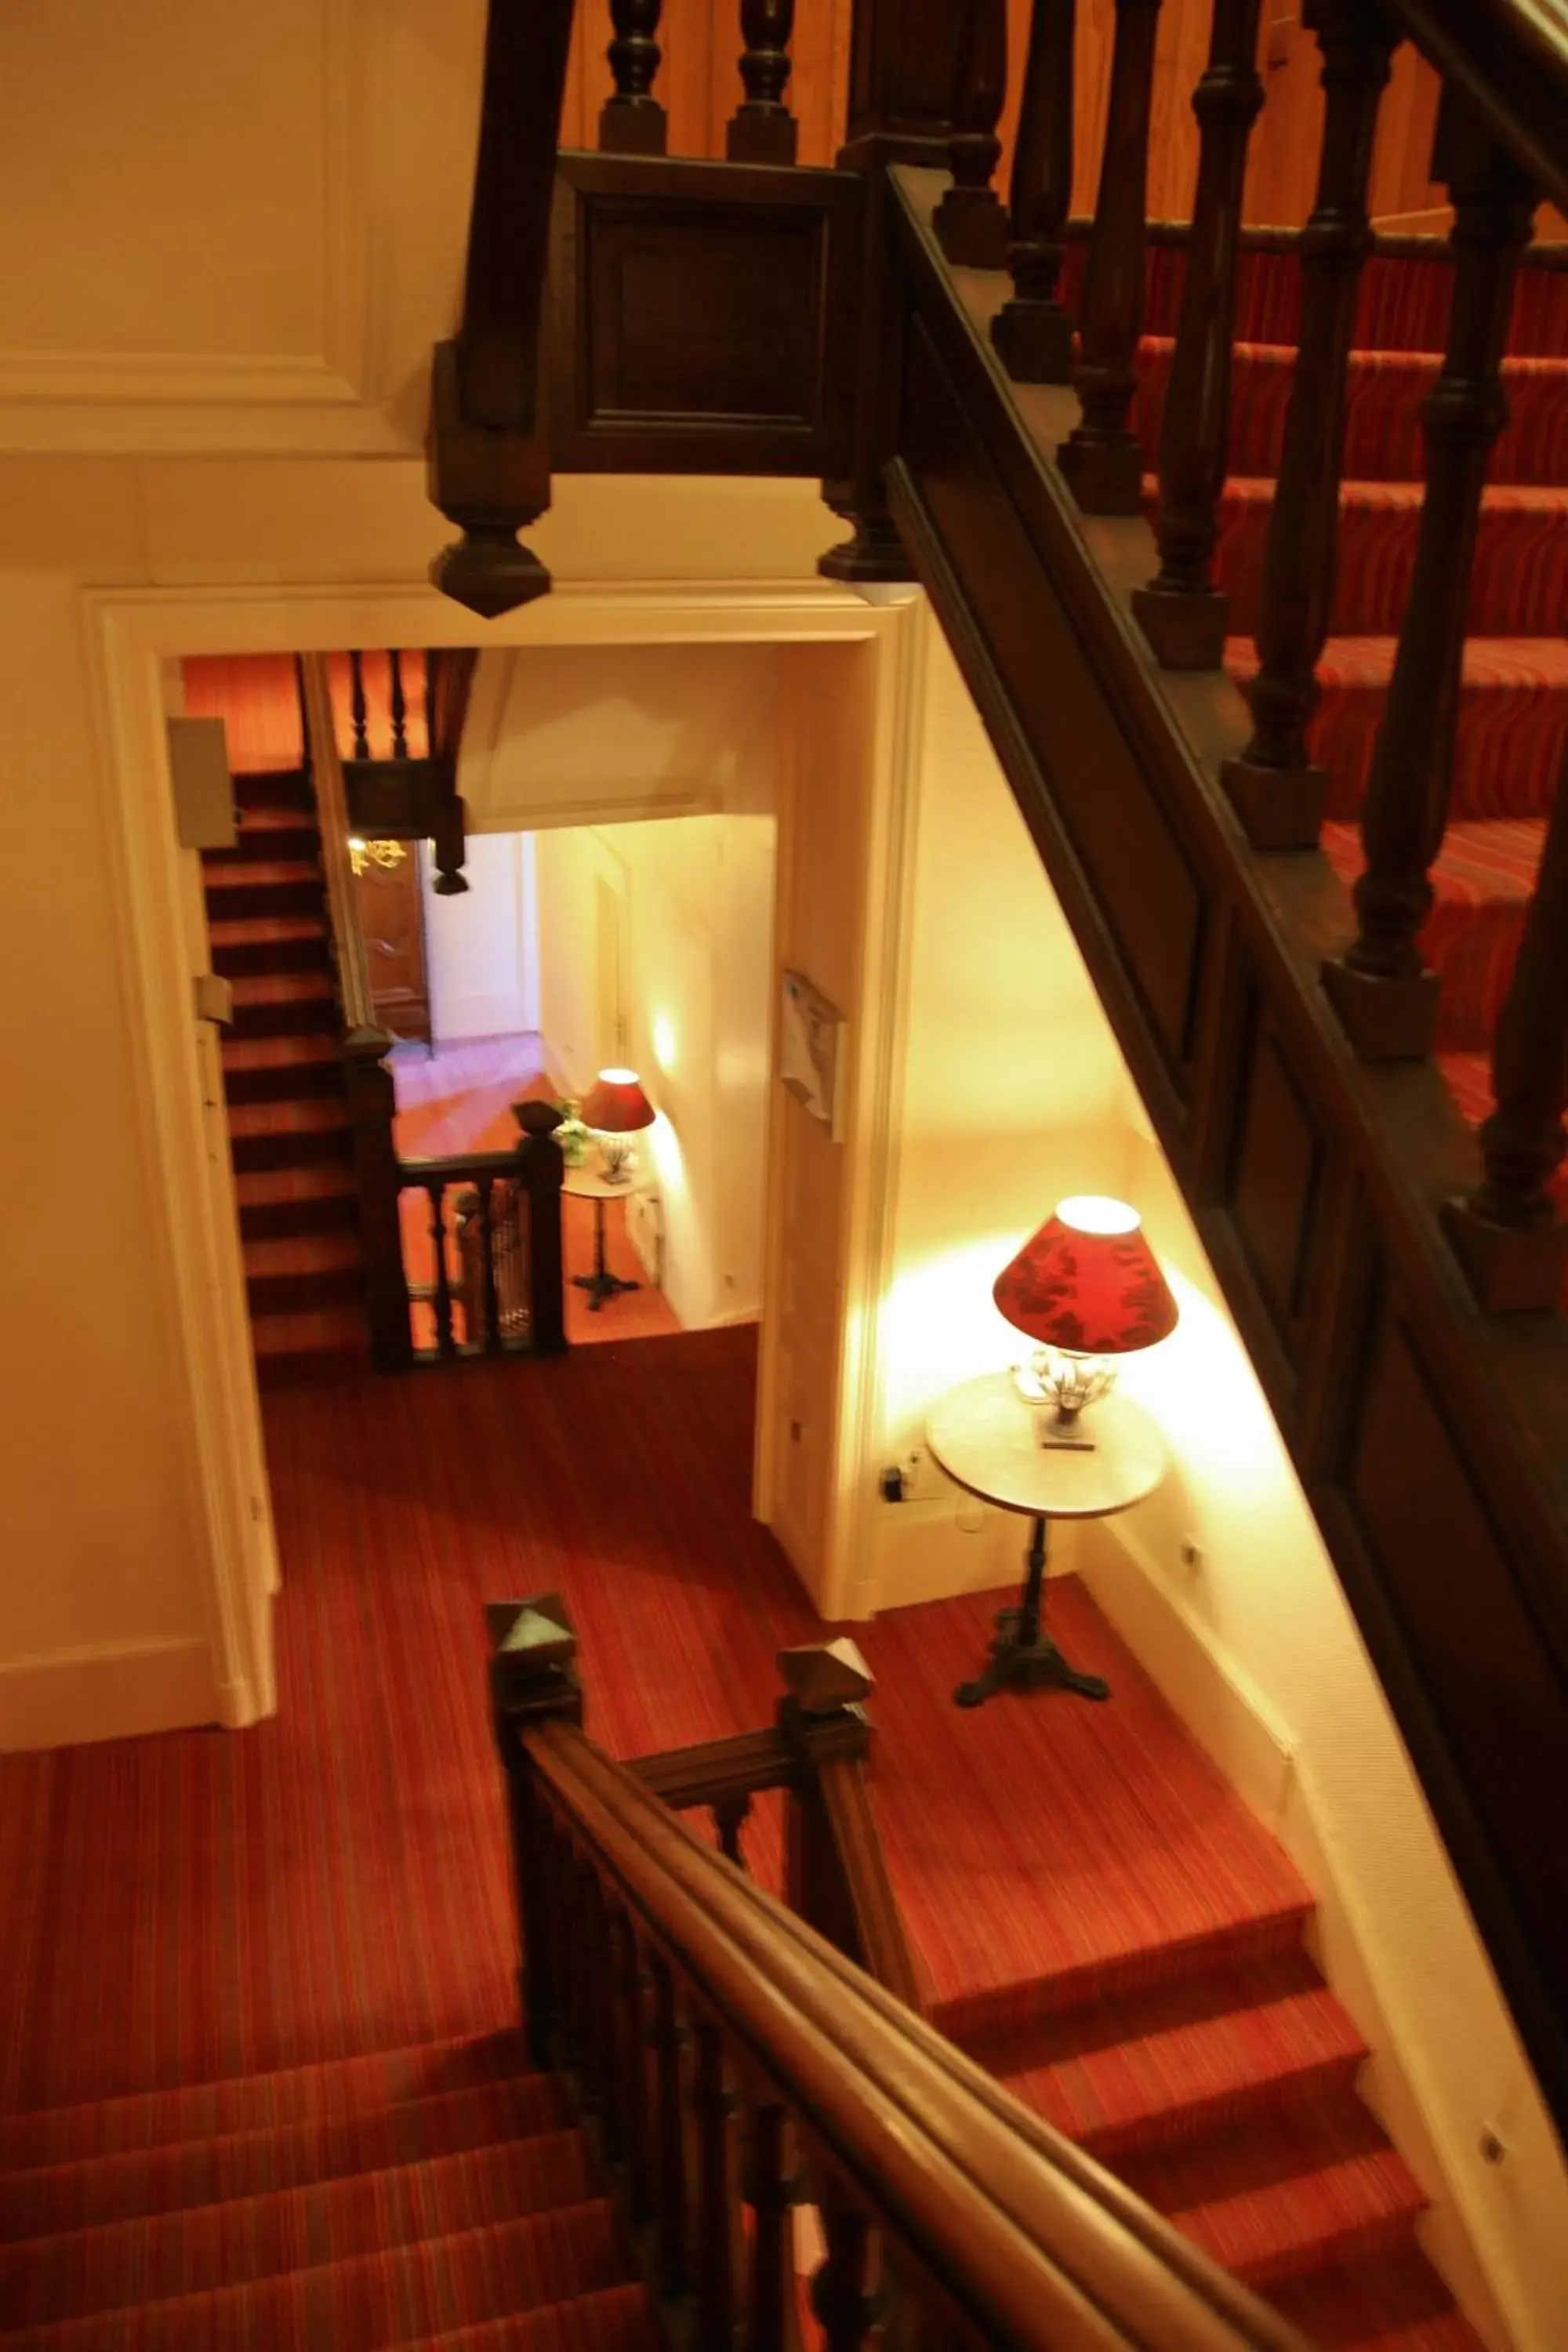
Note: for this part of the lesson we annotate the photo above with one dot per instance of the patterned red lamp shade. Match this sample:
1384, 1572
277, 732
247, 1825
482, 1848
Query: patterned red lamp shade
1087, 1282
616, 1104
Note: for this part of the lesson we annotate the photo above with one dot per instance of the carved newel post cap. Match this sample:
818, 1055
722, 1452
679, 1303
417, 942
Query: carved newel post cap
824, 1676
537, 1120
531, 1651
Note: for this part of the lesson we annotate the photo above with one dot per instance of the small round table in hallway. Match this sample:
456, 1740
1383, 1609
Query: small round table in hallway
984, 1435
587, 1185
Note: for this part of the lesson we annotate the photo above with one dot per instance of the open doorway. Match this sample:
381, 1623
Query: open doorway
644, 945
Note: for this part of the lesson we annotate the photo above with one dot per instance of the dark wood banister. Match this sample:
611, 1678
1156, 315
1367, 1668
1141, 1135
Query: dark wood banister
1003, 2222
1511, 59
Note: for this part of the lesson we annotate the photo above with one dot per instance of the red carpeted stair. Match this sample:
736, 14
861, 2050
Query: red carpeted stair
428, 2196
1514, 716
288, 1113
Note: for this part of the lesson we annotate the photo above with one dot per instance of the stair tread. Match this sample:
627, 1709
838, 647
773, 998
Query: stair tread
274, 1256
202, 2248
290, 1114
397, 2296
1290, 2194
612, 2319
1488, 661
317, 1179
1396, 2303
294, 1049
316, 2091
47, 2200
1485, 863
255, 988
264, 930
1176, 2057
262, 873
299, 1331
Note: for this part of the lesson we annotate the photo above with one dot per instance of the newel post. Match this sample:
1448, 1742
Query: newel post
543, 1172
534, 1681
372, 1103
821, 1718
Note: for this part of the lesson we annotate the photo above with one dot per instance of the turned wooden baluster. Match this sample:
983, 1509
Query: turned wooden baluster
446, 1342
606, 2019
491, 1290
841, 2293
631, 121
631, 1990
730, 1815
1513, 1245
1181, 613
771, 2189
357, 706
670, 2040
970, 223
1276, 790
399, 706
718, 2212
1101, 461
1380, 987
542, 1169
762, 129
1031, 332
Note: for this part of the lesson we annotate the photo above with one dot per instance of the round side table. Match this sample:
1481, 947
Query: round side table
587, 1185
984, 1433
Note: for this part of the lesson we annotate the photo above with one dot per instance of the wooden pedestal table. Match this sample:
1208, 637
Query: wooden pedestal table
587, 1185
986, 1437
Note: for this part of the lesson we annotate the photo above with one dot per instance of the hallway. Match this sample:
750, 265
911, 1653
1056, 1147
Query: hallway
458, 1099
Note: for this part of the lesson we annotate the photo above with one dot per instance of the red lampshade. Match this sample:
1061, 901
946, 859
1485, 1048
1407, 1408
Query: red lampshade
1087, 1282
616, 1104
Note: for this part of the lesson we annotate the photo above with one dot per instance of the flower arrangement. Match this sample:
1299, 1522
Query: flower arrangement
571, 1135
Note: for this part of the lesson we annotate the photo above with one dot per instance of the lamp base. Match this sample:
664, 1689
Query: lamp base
1023, 1657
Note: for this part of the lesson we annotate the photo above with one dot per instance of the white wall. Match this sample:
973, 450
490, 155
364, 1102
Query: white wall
1013, 1092
481, 945
597, 735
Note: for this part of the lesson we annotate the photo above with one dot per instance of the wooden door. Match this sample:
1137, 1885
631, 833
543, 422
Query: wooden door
392, 918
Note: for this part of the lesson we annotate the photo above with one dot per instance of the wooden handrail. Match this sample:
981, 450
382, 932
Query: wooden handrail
1509, 57
1017, 2230
332, 815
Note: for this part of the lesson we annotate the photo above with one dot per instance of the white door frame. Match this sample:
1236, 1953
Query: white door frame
132, 633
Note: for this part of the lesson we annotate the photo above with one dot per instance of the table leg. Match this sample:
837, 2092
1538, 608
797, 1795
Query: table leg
1020, 1653
601, 1284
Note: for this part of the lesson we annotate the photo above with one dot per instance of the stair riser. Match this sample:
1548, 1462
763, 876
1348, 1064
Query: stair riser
1383, 436
970, 2020
308, 1016
69, 2277
1235, 2110
1520, 587
305, 1294
283, 1082
246, 957
1375, 2240
283, 902
256, 843
267, 1221
252, 1153
274, 789
1507, 751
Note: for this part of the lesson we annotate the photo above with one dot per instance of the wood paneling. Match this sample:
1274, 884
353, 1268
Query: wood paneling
1428, 1440
695, 307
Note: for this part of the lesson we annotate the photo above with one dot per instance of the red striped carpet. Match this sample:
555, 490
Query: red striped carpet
259, 2084
1512, 737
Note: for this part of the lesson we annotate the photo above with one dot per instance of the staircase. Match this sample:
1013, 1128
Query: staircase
288, 1110
422, 2197
1513, 714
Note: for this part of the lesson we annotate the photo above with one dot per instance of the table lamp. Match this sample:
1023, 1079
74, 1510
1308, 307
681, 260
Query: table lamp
1086, 1286
614, 1109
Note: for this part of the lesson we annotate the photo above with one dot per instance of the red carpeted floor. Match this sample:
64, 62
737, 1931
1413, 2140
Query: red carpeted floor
259, 2084
1512, 737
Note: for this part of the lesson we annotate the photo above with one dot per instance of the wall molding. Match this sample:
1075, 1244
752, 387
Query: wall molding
108, 1691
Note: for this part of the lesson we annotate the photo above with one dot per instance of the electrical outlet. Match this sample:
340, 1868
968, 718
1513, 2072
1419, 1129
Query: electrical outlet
921, 1484
1191, 1554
